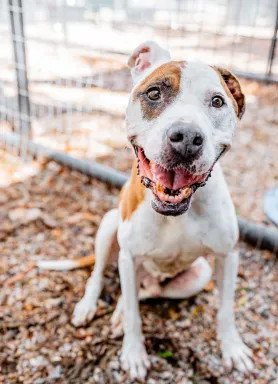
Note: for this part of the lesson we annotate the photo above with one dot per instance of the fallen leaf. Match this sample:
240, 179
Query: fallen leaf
210, 285
242, 301
28, 307
88, 216
165, 354
25, 215
20, 276
56, 232
197, 310
173, 314
49, 221
77, 217
74, 219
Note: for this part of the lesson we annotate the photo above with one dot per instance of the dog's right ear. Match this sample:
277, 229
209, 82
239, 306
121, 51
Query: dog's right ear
145, 56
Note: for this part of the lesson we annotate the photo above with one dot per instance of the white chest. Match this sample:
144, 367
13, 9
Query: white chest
165, 248
168, 245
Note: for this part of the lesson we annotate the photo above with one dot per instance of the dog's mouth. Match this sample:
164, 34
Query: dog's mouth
172, 188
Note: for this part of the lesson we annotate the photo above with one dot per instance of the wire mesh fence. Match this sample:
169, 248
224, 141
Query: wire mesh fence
64, 83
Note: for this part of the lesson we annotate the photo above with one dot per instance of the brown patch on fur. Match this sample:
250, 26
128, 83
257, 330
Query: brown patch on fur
132, 194
233, 89
85, 261
167, 79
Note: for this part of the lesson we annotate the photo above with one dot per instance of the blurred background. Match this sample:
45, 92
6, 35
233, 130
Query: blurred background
64, 87
64, 81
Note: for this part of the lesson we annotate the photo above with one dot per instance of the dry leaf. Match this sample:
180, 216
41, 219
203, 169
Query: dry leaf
210, 285
25, 215
173, 314
76, 218
242, 301
197, 310
49, 221
88, 216
20, 276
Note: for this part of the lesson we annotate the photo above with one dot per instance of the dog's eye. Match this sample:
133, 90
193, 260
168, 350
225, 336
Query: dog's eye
153, 94
217, 102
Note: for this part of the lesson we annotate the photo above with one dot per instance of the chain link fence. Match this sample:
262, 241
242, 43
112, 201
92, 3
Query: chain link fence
64, 83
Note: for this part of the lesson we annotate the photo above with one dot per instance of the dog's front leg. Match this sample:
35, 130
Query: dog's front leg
134, 356
234, 351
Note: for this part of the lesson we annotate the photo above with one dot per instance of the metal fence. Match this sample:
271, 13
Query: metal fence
63, 75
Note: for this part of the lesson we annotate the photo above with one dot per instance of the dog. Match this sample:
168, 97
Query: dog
176, 207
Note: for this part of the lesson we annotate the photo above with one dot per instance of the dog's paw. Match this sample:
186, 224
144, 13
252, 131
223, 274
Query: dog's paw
134, 359
236, 353
84, 311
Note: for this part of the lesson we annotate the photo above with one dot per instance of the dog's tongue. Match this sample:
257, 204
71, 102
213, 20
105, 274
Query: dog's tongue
172, 179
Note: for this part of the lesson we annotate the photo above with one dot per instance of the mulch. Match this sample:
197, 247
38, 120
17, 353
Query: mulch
55, 214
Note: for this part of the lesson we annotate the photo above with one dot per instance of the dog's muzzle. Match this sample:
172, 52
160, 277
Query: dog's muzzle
172, 188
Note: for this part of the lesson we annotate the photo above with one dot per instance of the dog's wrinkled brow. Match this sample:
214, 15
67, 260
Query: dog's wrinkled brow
168, 76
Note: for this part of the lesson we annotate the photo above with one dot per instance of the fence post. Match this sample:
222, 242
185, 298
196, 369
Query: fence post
271, 54
17, 28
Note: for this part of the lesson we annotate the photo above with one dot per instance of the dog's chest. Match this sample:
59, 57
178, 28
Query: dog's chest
166, 248
172, 251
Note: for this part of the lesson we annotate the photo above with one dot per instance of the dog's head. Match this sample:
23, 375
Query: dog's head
181, 118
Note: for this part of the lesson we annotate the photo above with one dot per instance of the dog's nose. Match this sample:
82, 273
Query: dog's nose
186, 139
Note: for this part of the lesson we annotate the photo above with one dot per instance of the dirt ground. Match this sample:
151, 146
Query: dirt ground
55, 214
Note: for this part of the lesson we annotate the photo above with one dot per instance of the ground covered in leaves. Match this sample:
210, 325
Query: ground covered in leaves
55, 214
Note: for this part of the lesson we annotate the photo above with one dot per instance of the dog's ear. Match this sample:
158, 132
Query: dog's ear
233, 88
145, 56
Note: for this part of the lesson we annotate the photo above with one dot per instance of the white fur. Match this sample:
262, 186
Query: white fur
157, 57
86, 308
147, 240
57, 265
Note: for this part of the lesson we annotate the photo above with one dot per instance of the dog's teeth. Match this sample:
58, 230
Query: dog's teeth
162, 195
187, 192
159, 187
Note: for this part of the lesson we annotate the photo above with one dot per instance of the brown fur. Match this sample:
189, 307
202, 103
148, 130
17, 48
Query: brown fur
233, 89
167, 79
132, 194
85, 261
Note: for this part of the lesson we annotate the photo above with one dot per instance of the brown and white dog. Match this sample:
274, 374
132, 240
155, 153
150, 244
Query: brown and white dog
181, 118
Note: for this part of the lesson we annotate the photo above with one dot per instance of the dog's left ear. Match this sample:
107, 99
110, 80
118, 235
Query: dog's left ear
145, 56
233, 88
